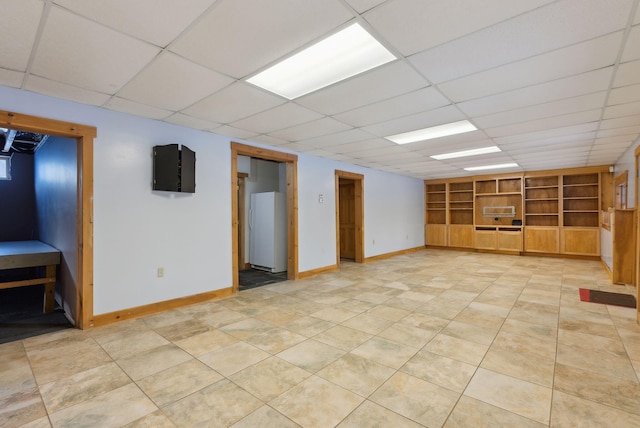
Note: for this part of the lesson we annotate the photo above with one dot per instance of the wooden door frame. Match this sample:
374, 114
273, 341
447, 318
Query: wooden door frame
84, 136
241, 211
291, 162
636, 155
358, 180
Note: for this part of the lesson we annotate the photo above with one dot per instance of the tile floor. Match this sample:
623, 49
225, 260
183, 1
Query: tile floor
434, 338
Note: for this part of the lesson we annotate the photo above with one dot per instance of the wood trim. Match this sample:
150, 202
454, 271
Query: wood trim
393, 254
317, 271
636, 154
154, 308
241, 214
291, 162
358, 180
567, 171
84, 136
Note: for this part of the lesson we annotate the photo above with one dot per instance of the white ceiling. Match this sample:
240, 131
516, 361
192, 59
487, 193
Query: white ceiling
553, 83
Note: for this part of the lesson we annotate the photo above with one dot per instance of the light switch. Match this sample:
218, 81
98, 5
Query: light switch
321, 198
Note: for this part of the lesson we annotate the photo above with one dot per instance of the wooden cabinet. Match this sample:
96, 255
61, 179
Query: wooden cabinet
552, 212
499, 238
461, 235
541, 239
624, 251
580, 241
436, 234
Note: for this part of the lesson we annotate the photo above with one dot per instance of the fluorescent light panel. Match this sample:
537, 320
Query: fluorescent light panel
499, 166
445, 130
472, 152
338, 57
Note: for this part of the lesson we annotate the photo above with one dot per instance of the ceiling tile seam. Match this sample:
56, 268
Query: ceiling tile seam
623, 43
46, 8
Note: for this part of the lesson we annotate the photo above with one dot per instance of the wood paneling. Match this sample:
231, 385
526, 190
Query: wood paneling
624, 246
436, 234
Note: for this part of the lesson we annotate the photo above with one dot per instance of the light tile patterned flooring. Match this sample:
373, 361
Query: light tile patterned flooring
434, 338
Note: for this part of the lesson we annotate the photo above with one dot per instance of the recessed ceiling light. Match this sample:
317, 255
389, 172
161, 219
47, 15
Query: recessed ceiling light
433, 132
499, 166
472, 152
338, 57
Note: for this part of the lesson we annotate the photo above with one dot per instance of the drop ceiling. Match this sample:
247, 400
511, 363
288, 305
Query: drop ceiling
553, 84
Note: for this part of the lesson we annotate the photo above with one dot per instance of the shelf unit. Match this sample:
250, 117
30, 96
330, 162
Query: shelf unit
541, 201
581, 200
436, 214
559, 211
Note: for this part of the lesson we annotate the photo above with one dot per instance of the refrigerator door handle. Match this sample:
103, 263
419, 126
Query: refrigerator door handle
250, 218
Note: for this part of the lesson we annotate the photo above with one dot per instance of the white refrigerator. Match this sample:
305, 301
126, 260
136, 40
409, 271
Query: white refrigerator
268, 231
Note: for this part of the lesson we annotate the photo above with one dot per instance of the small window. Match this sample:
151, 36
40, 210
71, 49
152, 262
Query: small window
5, 167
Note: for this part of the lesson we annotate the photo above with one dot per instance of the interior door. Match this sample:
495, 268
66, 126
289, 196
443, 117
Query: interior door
347, 217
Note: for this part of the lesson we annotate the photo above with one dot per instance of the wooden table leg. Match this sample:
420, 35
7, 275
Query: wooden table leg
50, 290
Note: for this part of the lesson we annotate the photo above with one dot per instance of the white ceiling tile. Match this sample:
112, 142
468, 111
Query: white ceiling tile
316, 128
569, 61
296, 147
619, 139
605, 144
384, 82
636, 20
414, 25
359, 146
625, 94
18, 26
79, 52
364, 5
555, 108
540, 146
230, 131
240, 37
277, 118
629, 130
548, 133
62, 90
337, 139
544, 29
546, 123
191, 122
11, 78
632, 48
365, 153
416, 121
418, 101
266, 139
597, 80
621, 110
182, 81
620, 122
156, 22
627, 74
234, 102
136, 109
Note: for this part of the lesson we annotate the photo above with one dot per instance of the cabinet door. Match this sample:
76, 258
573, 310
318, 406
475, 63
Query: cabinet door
436, 234
509, 241
461, 236
486, 239
542, 239
582, 241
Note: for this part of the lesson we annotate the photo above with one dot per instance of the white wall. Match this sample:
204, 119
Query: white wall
137, 230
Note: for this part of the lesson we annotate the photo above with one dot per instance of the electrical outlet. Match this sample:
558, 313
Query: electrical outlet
373, 242
160, 272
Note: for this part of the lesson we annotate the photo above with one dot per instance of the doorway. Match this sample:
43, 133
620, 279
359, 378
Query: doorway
290, 166
349, 217
83, 135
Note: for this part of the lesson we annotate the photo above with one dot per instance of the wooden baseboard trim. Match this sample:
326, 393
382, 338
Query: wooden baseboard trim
317, 271
393, 254
154, 308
